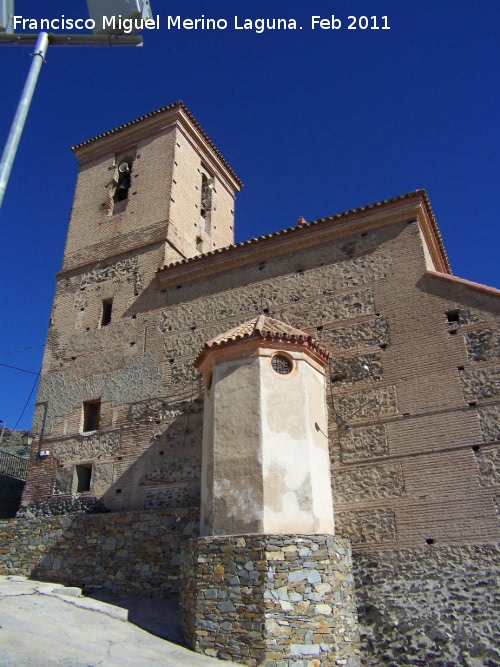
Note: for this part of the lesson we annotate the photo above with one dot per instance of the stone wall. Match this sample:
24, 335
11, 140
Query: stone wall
133, 553
435, 607
273, 600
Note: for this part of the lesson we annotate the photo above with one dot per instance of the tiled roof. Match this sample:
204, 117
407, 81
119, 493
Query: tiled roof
264, 328
169, 107
330, 219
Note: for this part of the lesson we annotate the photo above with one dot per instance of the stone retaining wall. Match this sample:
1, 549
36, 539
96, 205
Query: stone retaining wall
129, 553
270, 600
435, 607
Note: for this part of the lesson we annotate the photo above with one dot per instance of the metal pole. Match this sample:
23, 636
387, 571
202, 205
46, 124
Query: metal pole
17, 126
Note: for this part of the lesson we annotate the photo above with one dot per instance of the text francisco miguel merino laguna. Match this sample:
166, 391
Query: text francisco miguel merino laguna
258, 25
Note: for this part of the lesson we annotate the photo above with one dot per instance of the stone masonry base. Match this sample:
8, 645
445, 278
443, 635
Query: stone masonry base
270, 600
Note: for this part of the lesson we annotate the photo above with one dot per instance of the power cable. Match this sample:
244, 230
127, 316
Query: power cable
29, 397
23, 370
32, 347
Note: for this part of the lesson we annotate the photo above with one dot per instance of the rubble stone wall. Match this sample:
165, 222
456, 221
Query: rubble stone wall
435, 606
129, 553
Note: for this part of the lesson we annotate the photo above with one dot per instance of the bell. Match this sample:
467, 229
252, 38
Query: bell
122, 185
123, 181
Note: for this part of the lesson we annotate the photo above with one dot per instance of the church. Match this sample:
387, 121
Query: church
333, 378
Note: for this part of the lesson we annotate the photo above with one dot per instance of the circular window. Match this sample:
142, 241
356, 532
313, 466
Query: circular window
281, 365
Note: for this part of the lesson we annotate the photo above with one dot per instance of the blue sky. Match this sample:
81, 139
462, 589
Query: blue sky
314, 122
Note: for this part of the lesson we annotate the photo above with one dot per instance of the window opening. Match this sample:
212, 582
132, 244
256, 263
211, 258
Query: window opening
83, 476
281, 365
91, 415
123, 182
207, 185
107, 307
453, 315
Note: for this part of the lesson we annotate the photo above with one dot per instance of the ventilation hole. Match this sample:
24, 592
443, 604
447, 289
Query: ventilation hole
170, 361
73, 358
119, 458
132, 343
134, 317
179, 286
460, 368
118, 490
452, 332
383, 346
320, 328
475, 448
265, 310
472, 404
161, 453
363, 234
429, 540
453, 315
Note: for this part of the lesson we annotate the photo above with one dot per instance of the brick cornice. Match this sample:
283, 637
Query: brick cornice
412, 206
467, 283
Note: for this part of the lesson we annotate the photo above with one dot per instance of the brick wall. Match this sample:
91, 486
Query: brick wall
414, 382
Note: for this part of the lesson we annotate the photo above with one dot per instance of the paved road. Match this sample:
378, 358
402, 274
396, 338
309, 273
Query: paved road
46, 625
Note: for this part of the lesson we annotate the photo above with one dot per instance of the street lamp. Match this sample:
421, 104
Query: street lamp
108, 36
27, 438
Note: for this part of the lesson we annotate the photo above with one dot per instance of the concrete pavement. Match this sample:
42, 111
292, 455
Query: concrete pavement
48, 625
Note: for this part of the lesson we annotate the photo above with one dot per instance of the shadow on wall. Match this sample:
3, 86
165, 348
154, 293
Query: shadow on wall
166, 475
11, 490
124, 533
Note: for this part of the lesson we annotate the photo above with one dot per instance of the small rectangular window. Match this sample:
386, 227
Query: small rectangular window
83, 476
91, 415
107, 307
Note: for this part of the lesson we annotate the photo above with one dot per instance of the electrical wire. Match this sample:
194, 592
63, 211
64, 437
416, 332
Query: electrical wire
28, 399
33, 347
23, 370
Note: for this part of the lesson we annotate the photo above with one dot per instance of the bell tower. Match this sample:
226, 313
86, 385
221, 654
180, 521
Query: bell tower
149, 193
157, 179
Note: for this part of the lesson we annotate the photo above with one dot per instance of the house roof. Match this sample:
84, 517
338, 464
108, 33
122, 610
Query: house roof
302, 228
265, 329
170, 107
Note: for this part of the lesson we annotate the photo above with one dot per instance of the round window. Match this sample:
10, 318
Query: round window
281, 364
